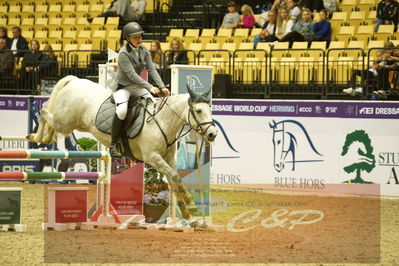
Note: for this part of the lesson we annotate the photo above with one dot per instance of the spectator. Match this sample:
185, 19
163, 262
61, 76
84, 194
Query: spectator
4, 35
156, 53
268, 30
30, 68
125, 10
301, 30
376, 75
177, 55
387, 13
19, 45
248, 19
321, 31
7, 62
232, 18
48, 66
284, 25
295, 11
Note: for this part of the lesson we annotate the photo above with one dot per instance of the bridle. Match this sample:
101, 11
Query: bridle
199, 129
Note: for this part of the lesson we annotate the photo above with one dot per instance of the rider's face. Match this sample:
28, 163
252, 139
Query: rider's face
136, 40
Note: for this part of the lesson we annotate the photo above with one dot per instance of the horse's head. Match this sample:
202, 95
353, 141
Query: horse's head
200, 115
278, 145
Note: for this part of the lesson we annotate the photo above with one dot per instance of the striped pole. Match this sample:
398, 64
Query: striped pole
5, 138
35, 154
60, 176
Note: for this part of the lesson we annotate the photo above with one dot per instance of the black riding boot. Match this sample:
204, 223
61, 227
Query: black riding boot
116, 129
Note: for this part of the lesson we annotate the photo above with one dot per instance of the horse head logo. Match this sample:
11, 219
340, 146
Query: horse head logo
285, 143
193, 82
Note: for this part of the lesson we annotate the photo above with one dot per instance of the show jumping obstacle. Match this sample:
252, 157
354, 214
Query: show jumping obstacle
10, 209
67, 209
103, 216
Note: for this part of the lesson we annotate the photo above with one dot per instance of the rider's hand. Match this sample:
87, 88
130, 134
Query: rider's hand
154, 90
165, 91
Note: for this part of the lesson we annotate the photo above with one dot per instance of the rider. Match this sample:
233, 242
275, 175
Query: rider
133, 58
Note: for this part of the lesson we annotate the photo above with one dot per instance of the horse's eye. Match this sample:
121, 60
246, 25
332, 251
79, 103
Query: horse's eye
279, 141
198, 111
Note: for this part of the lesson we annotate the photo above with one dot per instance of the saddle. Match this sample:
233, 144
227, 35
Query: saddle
132, 125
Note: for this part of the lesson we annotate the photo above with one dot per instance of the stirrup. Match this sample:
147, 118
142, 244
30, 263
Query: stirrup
114, 150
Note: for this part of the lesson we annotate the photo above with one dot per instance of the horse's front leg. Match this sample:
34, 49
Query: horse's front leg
170, 159
174, 181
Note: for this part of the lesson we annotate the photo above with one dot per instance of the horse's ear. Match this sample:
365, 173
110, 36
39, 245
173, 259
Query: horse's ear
206, 94
273, 124
192, 94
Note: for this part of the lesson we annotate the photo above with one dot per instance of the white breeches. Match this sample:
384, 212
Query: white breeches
122, 96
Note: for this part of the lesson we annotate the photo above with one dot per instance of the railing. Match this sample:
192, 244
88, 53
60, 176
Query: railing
310, 73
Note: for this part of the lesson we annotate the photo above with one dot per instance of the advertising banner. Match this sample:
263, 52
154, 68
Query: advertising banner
306, 144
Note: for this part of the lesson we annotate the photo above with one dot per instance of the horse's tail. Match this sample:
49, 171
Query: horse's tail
60, 84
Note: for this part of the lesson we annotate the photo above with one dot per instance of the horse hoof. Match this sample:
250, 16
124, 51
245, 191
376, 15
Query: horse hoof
193, 211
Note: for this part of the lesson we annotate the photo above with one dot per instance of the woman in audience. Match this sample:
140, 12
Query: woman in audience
284, 25
48, 66
30, 68
3, 35
248, 19
177, 55
301, 30
231, 19
156, 53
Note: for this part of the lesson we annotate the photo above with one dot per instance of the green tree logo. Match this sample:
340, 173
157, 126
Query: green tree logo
366, 161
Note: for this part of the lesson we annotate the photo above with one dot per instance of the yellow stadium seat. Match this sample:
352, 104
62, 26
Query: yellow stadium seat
96, 9
366, 5
41, 22
54, 9
3, 21
372, 16
338, 18
196, 46
298, 53
54, 23
230, 46
349, 5
305, 71
254, 32
14, 22
246, 46
345, 33
112, 23
212, 46
356, 18
335, 45
41, 9
54, 35
165, 46
27, 10
14, 9
99, 39
82, 9
385, 32
192, 33
41, 34
365, 32
208, 32
28, 35
3, 10
113, 39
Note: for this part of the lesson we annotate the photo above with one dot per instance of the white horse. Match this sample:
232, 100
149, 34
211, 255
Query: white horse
74, 104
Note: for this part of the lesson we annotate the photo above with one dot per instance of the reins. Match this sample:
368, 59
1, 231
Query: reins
198, 129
